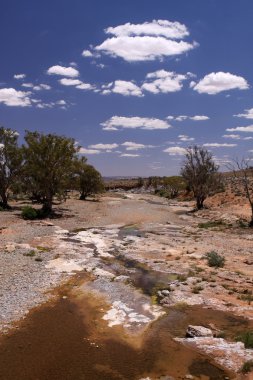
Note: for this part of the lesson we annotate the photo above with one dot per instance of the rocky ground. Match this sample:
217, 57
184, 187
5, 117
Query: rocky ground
144, 257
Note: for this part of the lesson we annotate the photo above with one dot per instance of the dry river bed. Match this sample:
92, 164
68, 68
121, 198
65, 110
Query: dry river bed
109, 290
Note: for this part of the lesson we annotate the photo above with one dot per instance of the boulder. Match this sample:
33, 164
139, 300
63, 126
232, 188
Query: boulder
198, 331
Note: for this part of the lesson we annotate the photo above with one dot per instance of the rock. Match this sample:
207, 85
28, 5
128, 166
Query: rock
198, 331
230, 355
121, 278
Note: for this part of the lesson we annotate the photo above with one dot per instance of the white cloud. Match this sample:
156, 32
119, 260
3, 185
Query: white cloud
63, 71
163, 81
76, 83
135, 146
87, 53
86, 86
217, 145
129, 155
234, 137
61, 102
126, 88
165, 28
19, 76
185, 117
89, 151
185, 138
70, 82
249, 128
117, 122
237, 137
147, 41
247, 115
199, 118
42, 86
37, 87
14, 98
175, 151
27, 85
214, 83
104, 146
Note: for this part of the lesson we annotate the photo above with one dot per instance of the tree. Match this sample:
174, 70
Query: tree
90, 180
49, 163
200, 173
242, 180
174, 184
10, 163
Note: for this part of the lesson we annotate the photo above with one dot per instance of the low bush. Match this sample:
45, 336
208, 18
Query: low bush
246, 338
215, 260
29, 213
247, 366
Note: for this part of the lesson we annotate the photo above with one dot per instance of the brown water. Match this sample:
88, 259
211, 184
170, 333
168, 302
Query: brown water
68, 340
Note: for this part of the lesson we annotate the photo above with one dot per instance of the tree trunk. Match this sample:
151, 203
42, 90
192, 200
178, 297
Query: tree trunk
251, 221
200, 202
82, 196
4, 203
47, 207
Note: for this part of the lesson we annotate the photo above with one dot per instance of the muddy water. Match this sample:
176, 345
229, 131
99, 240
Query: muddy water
68, 340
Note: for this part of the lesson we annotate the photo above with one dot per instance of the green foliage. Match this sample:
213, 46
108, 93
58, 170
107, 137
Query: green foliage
246, 338
200, 174
89, 180
174, 185
30, 253
29, 213
49, 164
247, 366
215, 260
212, 224
10, 163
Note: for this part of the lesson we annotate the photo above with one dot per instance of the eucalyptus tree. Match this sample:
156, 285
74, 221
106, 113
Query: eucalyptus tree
49, 165
200, 174
10, 163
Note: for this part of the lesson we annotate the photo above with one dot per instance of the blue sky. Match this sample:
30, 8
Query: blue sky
134, 82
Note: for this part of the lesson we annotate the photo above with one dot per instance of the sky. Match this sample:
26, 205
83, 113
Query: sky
133, 82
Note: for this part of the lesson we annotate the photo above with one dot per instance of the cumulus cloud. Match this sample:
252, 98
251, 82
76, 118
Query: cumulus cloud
63, 71
77, 84
117, 122
185, 138
13, 98
175, 151
185, 117
70, 82
199, 118
89, 151
42, 86
237, 137
163, 81
37, 87
19, 76
247, 115
214, 83
104, 146
164, 28
85, 86
249, 128
129, 155
218, 145
125, 88
135, 146
87, 53
147, 41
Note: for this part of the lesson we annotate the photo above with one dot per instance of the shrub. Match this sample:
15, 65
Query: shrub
215, 260
246, 338
29, 213
247, 366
